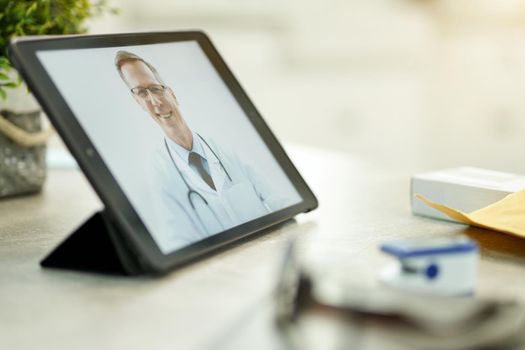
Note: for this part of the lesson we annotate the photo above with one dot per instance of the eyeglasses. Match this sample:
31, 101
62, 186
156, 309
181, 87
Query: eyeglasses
406, 318
155, 90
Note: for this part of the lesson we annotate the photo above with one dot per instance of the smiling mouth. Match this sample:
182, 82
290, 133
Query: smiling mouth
165, 116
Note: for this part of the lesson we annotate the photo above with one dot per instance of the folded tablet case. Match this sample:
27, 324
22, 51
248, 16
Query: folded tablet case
96, 246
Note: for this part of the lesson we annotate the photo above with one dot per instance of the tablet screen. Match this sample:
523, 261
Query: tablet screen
173, 136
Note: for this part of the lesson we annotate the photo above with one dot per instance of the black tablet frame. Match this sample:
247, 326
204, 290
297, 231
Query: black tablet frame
23, 56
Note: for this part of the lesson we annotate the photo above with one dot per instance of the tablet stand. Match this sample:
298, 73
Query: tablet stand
94, 247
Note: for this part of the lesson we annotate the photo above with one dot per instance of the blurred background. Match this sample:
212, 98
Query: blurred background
420, 84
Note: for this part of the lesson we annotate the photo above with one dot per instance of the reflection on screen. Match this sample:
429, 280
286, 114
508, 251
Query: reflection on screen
173, 136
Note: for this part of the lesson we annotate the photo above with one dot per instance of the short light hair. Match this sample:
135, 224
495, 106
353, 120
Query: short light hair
123, 57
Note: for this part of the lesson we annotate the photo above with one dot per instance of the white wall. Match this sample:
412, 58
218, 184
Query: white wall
403, 82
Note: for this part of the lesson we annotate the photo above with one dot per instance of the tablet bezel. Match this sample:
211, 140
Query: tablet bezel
23, 55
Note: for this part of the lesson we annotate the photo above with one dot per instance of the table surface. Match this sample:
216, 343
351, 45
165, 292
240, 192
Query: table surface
218, 302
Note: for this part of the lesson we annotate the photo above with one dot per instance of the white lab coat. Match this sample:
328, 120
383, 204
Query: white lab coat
234, 202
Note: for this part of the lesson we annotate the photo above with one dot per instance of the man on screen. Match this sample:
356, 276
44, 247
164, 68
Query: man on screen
204, 189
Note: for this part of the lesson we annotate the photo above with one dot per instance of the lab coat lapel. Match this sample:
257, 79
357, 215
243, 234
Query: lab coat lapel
217, 173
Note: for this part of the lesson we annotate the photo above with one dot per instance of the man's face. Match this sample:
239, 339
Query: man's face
159, 101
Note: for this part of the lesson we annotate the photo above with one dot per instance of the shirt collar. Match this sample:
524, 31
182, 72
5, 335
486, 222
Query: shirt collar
183, 152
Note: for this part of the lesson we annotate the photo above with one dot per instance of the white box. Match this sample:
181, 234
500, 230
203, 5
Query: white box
466, 189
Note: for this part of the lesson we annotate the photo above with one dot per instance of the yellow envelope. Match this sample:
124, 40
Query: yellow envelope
506, 215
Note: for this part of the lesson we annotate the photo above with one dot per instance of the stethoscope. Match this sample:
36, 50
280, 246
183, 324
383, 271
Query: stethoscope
191, 191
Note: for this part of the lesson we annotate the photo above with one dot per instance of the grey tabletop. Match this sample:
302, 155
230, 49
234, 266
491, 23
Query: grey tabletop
218, 302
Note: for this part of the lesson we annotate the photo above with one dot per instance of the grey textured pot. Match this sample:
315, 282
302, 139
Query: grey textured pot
22, 144
22, 167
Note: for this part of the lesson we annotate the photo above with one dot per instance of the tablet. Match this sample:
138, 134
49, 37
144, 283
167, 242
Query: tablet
180, 157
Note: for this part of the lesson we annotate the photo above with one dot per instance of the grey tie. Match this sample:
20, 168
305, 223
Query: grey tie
196, 160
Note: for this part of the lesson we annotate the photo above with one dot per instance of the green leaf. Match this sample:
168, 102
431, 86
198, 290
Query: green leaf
9, 85
31, 8
3, 94
4, 76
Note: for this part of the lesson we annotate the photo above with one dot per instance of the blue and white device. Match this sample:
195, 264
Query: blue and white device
437, 266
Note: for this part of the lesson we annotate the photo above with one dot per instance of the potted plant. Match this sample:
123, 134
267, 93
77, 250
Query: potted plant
22, 140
